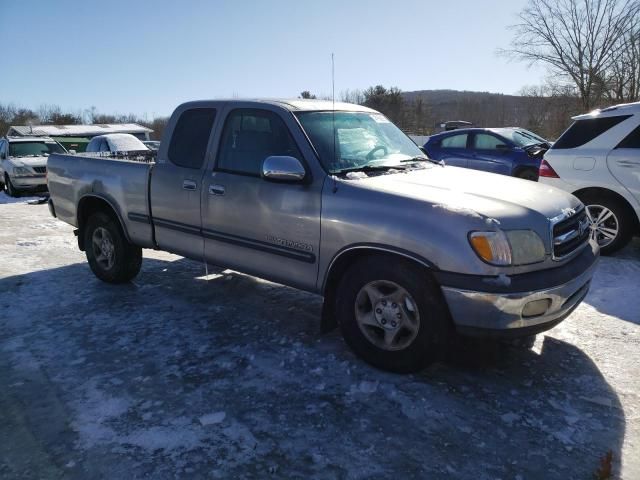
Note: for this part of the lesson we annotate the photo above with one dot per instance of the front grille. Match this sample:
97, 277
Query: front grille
570, 234
40, 169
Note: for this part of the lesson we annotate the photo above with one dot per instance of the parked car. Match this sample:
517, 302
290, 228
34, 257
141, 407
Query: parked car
115, 142
23, 163
336, 200
598, 160
152, 144
509, 151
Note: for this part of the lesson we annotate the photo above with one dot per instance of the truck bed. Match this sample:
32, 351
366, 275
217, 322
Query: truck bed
121, 179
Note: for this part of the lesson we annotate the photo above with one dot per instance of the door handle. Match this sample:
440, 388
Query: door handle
216, 189
189, 185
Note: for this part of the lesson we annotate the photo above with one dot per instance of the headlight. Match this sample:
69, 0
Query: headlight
512, 247
21, 172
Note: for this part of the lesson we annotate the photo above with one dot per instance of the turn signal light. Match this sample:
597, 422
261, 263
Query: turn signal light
546, 170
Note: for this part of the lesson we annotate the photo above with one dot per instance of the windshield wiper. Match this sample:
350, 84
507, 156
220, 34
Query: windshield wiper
420, 159
370, 168
423, 159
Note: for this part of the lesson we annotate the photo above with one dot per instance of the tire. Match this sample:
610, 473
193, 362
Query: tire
621, 220
528, 174
111, 258
367, 292
9, 188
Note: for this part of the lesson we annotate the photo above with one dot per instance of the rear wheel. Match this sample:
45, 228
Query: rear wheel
9, 188
391, 314
111, 257
611, 223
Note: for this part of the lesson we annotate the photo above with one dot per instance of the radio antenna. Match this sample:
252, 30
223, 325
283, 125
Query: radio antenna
333, 116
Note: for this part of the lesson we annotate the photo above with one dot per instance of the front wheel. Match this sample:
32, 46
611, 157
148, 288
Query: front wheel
10, 189
111, 257
391, 314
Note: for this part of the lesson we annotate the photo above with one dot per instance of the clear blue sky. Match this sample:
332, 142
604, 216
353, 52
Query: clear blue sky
148, 56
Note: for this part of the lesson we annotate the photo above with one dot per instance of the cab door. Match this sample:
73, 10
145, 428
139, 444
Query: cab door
453, 149
268, 229
176, 184
624, 162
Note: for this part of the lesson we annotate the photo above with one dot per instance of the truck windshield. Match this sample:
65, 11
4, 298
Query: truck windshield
34, 149
362, 139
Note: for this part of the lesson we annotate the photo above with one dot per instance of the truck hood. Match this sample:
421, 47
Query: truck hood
475, 193
29, 161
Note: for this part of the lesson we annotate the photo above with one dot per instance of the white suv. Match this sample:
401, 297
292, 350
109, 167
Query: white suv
598, 160
23, 163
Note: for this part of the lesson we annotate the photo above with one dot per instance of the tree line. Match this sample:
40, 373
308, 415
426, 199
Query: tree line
11, 114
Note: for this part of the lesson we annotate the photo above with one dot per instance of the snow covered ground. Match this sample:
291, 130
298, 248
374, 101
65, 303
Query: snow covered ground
179, 375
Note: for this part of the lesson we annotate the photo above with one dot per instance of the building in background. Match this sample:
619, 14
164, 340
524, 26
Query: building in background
76, 137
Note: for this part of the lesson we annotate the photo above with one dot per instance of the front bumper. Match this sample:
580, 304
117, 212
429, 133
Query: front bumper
35, 182
495, 313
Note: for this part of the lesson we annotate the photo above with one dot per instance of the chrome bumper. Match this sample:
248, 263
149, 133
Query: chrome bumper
486, 313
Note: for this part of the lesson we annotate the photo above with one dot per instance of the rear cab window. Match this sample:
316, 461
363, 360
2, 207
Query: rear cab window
190, 137
585, 130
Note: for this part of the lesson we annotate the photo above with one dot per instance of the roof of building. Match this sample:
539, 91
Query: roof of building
32, 138
77, 130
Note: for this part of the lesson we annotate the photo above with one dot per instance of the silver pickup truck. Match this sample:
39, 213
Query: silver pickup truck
336, 200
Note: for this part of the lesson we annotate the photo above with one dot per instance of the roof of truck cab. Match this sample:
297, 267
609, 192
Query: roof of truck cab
298, 104
615, 110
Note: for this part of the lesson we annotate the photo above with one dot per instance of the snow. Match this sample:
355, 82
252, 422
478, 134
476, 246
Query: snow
185, 375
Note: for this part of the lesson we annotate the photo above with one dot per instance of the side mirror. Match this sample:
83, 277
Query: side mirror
283, 169
72, 152
503, 147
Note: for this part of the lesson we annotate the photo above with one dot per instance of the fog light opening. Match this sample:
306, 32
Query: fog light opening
536, 308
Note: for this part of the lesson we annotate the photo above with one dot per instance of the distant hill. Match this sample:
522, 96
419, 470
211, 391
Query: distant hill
548, 116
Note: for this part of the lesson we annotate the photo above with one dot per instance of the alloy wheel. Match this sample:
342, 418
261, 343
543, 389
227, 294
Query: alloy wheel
103, 248
603, 224
387, 315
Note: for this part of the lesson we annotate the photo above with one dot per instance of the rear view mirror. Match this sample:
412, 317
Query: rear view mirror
283, 169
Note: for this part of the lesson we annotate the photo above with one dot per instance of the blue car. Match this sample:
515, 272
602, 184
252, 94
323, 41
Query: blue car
509, 151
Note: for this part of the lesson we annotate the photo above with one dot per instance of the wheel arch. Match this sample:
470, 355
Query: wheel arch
90, 204
347, 257
611, 194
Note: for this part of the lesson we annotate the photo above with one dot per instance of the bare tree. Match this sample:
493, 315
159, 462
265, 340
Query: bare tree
579, 40
623, 81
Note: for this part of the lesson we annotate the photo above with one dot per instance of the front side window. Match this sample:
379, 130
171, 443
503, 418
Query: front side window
347, 140
250, 136
484, 141
632, 140
583, 131
455, 141
34, 149
190, 137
